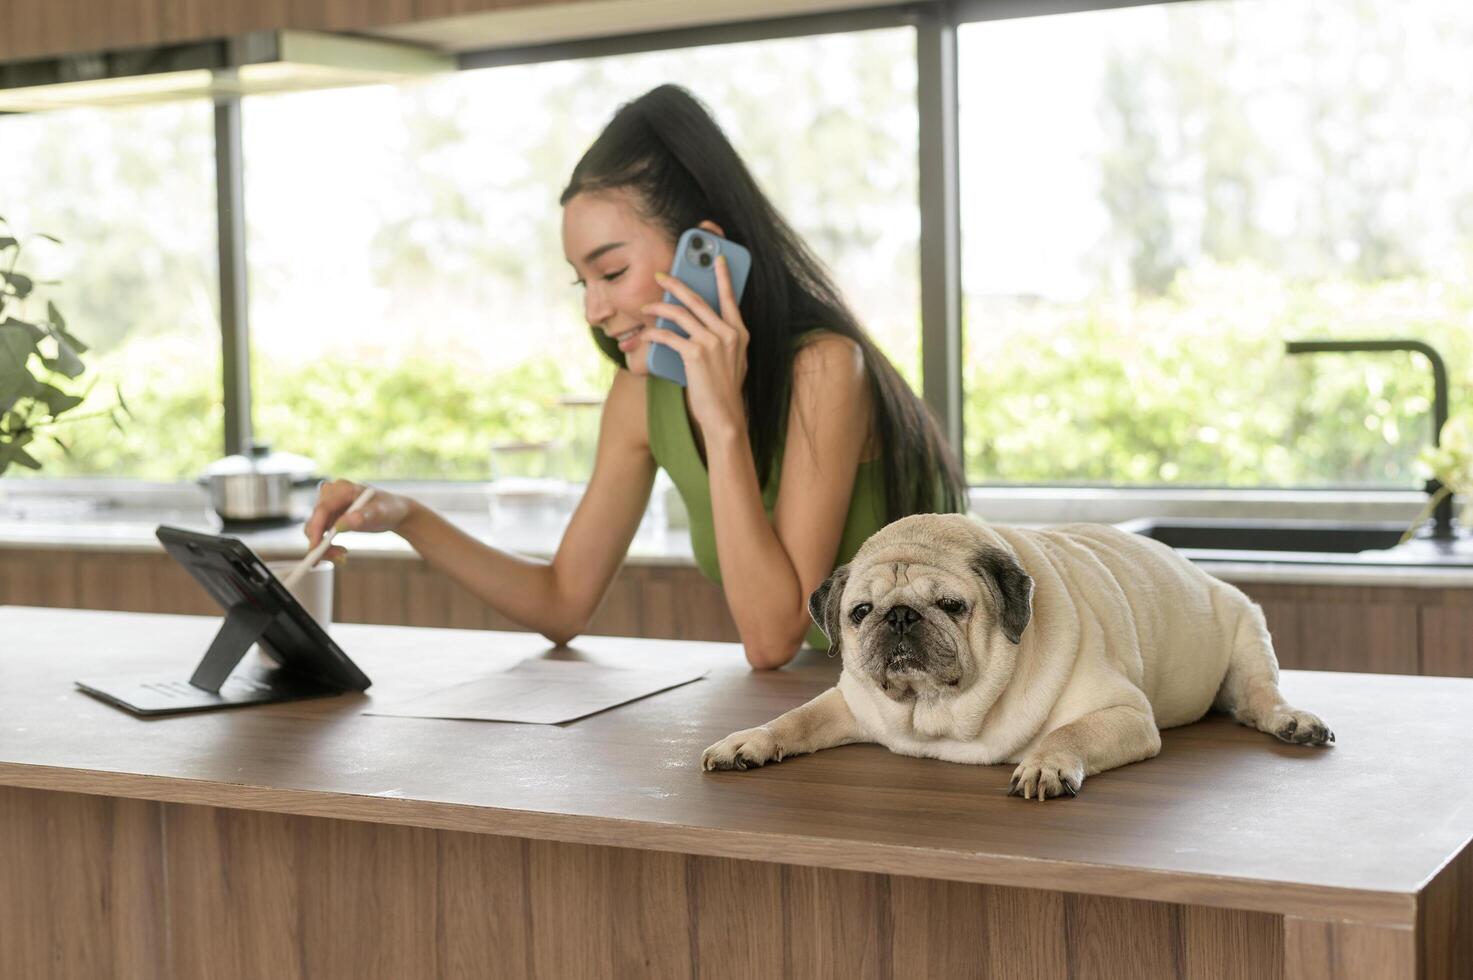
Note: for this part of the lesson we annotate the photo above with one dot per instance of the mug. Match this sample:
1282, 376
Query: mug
313, 590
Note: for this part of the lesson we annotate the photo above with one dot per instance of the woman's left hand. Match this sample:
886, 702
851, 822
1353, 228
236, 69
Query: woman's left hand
715, 353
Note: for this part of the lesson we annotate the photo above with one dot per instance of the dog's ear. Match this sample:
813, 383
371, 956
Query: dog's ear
1013, 587
823, 606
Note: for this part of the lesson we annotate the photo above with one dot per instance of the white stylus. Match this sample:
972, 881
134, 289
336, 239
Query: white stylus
316, 553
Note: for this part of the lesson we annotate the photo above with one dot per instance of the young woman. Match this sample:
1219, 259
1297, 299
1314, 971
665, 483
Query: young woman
794, 440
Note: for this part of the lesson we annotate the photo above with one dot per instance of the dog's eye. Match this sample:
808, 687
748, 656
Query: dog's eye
859, 612
954, 607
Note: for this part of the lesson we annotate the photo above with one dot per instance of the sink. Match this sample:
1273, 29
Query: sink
1301, 542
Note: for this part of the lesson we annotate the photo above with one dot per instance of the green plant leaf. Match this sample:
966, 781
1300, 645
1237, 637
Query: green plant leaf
54, 315
30, 329
8, 242
72, 342
16, 347
66, 362
19, 283
13, 453
56, 400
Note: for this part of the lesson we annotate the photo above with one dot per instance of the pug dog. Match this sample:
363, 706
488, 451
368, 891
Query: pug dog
1064, 650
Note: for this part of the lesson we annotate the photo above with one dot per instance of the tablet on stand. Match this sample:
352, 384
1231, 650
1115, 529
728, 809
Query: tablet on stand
258, 610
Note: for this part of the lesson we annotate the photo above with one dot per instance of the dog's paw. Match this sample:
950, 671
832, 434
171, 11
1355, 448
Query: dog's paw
746, 749
1299, 727
1040, 777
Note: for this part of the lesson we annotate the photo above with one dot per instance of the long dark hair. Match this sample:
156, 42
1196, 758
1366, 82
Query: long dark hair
667, 149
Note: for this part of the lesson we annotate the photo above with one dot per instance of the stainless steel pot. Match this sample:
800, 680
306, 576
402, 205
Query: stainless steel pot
258, 486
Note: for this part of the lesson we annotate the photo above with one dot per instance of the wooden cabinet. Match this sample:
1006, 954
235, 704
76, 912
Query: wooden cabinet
1447, 636
1331, 629
660, 602
40, 28
1377, 629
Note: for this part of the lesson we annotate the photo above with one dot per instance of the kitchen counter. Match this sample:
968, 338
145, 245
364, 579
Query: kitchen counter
132, 530
309, 839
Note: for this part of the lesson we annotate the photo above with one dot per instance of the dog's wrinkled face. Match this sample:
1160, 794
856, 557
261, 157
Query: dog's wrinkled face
918, 616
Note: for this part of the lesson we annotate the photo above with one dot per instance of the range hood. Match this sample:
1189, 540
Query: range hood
256, 63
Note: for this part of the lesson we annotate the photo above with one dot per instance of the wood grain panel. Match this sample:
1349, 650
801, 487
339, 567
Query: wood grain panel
428, 9
838, 924
88, 881
738, 918
80, 892
659, 598
1224, 944
368, 900
1109, 938
260, 894
234, 904
1447, 639
427, 595
600, 911
1310, 592
1347, 951
372, 591
1446, 921
483, 926
125, 583
1376, 637
38, 577
343, 15
1314, 627
1028, 934
929, 917
130, 23
191, 20
1315, 634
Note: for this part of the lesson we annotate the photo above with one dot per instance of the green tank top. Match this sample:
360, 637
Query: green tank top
673, 445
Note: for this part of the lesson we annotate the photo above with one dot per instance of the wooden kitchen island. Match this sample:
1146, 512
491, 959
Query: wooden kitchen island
310, 840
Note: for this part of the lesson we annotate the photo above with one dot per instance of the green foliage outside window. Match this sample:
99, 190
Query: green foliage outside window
1194, 388
1131, 393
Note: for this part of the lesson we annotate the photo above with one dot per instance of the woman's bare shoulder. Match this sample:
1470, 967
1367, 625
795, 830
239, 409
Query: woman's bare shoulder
829, 380
832, 355
625, 414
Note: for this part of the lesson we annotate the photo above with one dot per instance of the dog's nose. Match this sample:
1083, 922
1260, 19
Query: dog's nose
902, 618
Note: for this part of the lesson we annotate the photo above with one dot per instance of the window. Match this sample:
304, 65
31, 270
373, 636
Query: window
1155, 199
410, 304
130, 193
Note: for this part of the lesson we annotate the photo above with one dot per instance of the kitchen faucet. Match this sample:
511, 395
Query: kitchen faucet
1442, 516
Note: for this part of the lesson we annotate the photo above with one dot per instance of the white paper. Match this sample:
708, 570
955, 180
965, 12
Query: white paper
540, 692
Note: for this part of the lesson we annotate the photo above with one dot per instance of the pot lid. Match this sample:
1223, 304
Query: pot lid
263, 461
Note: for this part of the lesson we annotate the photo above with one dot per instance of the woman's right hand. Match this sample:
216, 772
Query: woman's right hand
384, 512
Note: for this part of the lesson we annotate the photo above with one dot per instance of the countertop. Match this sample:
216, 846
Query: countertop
131, 529
1224, 816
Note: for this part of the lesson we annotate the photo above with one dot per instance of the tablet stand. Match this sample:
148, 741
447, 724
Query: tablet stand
303, 660
215, 682
243, 626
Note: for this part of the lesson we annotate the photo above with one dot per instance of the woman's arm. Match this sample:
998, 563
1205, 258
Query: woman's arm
558, 598
768, 569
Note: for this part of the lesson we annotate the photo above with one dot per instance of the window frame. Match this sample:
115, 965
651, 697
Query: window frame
935, 23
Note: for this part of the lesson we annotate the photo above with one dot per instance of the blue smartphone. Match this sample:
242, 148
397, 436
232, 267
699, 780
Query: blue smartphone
695, 265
